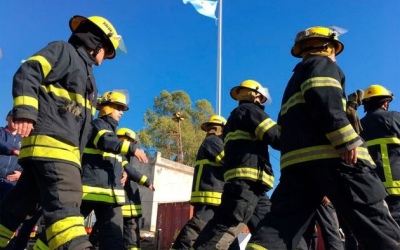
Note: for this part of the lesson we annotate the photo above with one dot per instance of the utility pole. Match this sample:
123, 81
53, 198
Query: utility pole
178, 117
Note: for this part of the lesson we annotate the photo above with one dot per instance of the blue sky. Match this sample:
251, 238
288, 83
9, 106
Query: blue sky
172, 47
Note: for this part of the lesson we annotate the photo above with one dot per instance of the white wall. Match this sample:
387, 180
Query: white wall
173, 183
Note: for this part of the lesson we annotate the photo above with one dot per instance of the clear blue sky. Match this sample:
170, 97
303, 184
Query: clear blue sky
172, 47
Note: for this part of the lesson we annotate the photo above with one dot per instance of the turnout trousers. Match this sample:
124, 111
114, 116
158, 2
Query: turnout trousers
356, 193
191, 230
393, 202
57, 187
131, 233
243, 202
109, 224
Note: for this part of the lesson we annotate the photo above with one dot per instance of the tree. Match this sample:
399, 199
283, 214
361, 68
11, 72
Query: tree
162, 132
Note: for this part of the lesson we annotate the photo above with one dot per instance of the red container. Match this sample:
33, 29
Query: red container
171, 217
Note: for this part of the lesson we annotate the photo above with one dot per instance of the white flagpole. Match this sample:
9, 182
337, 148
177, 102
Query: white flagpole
219, 58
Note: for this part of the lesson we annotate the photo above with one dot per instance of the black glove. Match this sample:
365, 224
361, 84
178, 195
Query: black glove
354, 101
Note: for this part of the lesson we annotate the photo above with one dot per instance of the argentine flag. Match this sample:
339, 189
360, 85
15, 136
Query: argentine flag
204, 7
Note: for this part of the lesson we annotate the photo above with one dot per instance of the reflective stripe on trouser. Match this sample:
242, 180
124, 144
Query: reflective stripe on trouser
238, 205
59, 186
356, 193
5, 236
40, 245
109, 224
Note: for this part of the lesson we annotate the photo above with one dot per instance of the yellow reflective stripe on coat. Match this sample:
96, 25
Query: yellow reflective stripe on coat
143, 180
220, 156
254, 246
363, 154
239, 135
263, 127
107, 195
342, 135
308, 154
64, 231
317, 82
209, 197
200, 165
99, 135
319, 153
61, 92
40, 245
125, 147
295, 99
131, 210
249, 173
208, 162
392, 186
5, 236
43, 146
26, 101
95, 151
45, 65
392, 140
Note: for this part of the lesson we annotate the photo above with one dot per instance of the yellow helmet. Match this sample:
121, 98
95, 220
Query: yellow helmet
110, 33
376, 91
113, 97
214, 119
316, 32
128, 133
253, 85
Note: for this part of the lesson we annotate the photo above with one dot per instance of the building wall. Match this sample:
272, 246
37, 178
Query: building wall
172, 182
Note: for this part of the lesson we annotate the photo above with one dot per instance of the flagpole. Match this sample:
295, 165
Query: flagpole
219, 58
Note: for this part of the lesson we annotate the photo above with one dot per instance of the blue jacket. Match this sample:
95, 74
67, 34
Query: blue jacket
8, 161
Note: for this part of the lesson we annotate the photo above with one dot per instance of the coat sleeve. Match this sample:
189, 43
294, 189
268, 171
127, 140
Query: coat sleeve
106, 140
134, 174
215, 150
29, 77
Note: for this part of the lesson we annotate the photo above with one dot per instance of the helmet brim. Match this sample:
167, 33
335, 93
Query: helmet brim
235, 91
296, 51
206, 124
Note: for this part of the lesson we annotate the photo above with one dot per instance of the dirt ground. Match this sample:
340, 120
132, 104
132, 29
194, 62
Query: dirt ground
148, 240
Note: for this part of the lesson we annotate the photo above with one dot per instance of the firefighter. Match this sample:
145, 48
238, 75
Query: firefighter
132, 209
381, 131
248, 172
208, 183
54, 104
321, 154
102, 170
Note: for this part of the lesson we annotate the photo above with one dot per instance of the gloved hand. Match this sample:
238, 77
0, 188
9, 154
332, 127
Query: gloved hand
354, 101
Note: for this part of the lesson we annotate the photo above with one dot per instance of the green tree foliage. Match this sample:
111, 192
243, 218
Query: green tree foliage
162, 132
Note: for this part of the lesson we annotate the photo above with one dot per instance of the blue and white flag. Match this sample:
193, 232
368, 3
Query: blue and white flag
204, 7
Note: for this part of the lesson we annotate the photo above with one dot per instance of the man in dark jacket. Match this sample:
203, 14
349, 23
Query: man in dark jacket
248, 171
54, 102
381, 131
10, 145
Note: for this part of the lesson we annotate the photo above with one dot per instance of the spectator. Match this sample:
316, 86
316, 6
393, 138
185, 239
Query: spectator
10, 145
